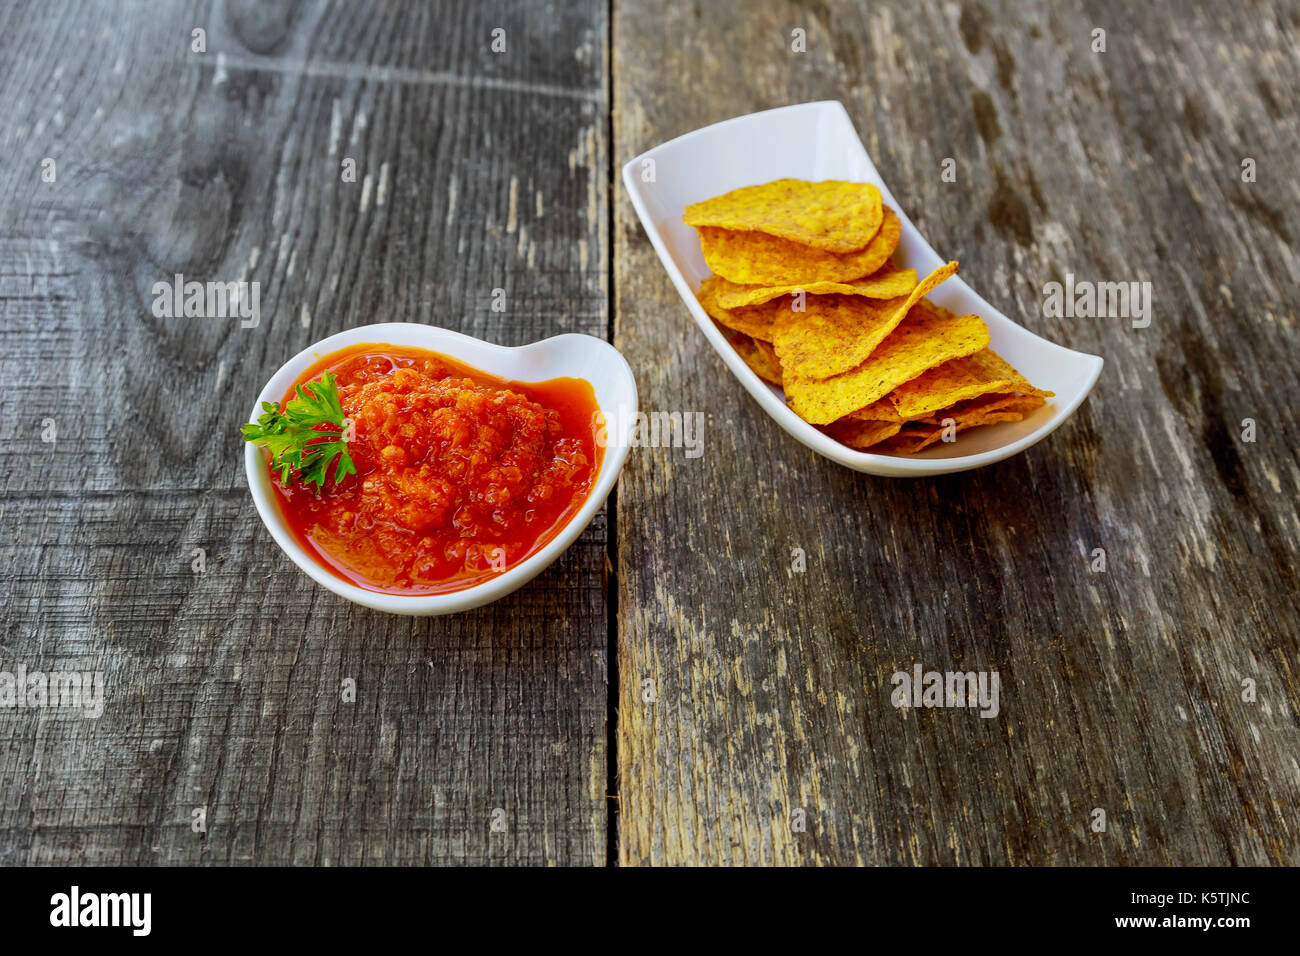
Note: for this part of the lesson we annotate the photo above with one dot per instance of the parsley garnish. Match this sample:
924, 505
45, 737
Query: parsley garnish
294, 439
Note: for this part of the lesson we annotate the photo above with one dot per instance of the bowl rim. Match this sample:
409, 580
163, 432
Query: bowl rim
1089, 366
476, 595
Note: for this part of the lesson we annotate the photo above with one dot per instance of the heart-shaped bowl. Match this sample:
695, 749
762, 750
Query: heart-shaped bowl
817, 141
570, 355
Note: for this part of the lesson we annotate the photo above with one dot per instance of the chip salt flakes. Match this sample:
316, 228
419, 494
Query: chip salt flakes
834, 333
756, 258
958, 380
757, 354
887, 283
756, 322
862, 434
924, 339
833, 215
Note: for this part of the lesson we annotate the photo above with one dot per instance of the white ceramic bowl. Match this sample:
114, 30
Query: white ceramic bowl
574, 356
817, 141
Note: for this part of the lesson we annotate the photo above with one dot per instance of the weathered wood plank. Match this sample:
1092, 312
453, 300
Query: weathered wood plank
475, 171
1119, 690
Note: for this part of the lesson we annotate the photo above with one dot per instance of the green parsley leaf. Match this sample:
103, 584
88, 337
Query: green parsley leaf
295, 439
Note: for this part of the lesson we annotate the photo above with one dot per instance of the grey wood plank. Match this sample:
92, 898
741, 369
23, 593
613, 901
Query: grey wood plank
1119, 690
475, 171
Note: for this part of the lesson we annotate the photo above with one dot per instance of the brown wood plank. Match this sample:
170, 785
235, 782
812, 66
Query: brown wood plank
1119, 690
475, 171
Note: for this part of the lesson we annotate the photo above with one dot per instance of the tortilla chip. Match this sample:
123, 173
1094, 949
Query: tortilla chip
862, 435
770, 361
833, 215
837, 332
886, 283
757, 354
756, 258
988, 409
910, 441
924, 339
958, 380
917, 436
881, 411
1024, 404
755, 322
971, 408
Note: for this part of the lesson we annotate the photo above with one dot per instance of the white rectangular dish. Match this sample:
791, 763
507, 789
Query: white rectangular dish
817, 141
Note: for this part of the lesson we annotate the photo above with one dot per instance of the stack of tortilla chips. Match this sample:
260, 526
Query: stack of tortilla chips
805, 289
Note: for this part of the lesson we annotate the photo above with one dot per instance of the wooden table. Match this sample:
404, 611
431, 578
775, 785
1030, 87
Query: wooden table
673, 690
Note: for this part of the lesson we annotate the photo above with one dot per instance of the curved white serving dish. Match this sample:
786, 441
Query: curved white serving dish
817, 141
571, 355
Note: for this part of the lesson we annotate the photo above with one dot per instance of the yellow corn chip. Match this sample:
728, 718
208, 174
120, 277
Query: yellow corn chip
756, 322
862, 435
923, 340
757, 354
958, 380
974, 407
917, 436
770, 362
911, 441
881, 411
755, 258
984, 410
886, 283
1024, 404
833, 215
837, 332
905, 442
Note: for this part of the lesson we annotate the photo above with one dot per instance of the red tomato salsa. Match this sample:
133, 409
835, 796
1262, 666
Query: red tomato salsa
460, 475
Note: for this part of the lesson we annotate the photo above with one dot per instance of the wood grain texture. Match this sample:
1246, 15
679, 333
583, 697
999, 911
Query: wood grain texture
478, 171
475, 171
1120, 690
